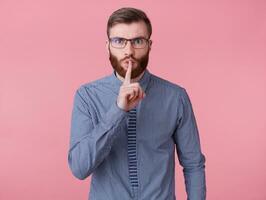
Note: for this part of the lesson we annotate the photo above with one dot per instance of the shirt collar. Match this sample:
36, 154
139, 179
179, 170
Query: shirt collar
144, 80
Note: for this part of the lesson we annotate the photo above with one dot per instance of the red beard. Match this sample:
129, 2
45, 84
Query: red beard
141, 65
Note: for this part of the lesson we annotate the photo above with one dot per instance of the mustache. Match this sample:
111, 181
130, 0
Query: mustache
129, 57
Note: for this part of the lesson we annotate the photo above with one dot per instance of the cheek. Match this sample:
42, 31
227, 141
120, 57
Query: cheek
118, 55
141, 53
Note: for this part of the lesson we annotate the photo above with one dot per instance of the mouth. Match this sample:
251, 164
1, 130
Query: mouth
126, 62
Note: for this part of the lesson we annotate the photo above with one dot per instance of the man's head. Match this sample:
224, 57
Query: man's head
129, 23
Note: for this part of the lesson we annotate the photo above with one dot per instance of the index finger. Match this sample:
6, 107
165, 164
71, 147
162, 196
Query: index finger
128, 73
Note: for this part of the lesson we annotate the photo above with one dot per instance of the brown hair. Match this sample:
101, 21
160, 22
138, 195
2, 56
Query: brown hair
128, 15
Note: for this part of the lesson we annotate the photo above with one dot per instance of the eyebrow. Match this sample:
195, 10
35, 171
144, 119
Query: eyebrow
130, 38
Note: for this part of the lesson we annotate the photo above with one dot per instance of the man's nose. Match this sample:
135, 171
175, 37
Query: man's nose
129, 50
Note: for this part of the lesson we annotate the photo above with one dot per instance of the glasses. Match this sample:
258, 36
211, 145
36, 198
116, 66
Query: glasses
137, 43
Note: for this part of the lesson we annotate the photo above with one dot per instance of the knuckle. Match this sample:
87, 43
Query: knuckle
137, 84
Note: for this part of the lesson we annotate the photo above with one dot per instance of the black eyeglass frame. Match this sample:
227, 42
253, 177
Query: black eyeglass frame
130, 40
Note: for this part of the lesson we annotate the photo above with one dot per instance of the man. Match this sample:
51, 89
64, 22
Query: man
125, 126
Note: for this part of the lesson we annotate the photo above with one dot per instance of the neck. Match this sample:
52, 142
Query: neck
132, 80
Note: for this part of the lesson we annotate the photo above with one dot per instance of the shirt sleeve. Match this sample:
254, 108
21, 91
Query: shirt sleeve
90, 143
189, 151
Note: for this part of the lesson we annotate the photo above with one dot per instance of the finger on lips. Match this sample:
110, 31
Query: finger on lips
136, 91
127, 80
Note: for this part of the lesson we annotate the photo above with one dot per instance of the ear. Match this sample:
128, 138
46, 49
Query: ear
107, 46
150, 44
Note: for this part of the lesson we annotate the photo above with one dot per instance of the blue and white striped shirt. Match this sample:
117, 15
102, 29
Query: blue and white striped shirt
99, 142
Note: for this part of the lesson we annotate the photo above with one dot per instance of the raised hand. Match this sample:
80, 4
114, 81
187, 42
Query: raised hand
129, 93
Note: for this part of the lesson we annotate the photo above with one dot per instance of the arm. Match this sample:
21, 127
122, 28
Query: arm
189, 151
89, 143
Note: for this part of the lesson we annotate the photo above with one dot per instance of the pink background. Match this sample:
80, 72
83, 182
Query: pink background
215, 49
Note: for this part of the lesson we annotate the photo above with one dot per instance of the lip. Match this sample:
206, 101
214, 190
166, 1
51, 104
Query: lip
127, 61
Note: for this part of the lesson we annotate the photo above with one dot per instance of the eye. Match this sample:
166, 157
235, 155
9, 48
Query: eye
138, 41
118, 40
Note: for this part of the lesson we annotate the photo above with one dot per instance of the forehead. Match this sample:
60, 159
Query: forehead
132, 30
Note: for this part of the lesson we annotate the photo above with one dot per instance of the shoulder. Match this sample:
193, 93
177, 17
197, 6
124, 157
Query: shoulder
90, 85
167, 85
85, 91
